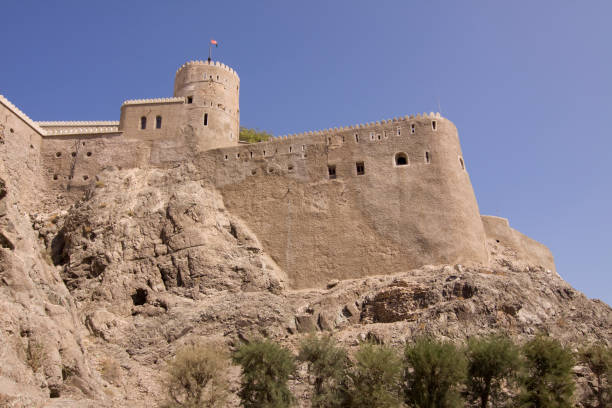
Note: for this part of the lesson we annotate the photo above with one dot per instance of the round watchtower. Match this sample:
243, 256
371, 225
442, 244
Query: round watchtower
211, 91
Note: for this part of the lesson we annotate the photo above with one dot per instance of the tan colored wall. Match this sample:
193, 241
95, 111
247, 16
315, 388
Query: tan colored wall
525, 248
389, 219
20, 165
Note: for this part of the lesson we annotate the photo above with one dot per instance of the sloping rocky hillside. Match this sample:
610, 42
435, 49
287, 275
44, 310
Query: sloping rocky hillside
94, 299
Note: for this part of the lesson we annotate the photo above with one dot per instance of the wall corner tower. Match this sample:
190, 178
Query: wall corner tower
211, 91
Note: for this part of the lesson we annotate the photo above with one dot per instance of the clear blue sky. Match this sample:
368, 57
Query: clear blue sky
528, 84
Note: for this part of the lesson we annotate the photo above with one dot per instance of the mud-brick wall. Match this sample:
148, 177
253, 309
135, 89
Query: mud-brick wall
20, 163
388, 219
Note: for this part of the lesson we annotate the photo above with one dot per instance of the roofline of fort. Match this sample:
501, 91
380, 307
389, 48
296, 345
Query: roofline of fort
368, 125
210, 63
78, 123
175, 99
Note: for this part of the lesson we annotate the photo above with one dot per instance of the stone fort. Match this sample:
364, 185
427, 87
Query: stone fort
340, 203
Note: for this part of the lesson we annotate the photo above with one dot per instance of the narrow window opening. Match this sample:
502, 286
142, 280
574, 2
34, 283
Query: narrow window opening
88, 154
58, 154
378, 136
399, 131
237, 155
253, 172
401, 159
206, 119
360, 168
412, 129
371, 135
331, 170
356, 138
83, 143
251, 155
143, 122
217, 77
226, 157
462, 163
290, 149
303, 147
264, 152
85, 177
329, 140
427, 157
73, 154
158, 121
342, 139
434, 125
55, 177
190, 99
385, 134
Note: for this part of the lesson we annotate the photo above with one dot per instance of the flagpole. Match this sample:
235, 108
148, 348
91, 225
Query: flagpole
209, 52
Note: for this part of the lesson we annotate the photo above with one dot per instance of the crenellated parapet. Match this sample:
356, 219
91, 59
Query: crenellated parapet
208, 63
153, 101
82, 130
78, 123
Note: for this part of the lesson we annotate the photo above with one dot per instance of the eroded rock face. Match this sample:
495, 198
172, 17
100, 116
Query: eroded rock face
150, 260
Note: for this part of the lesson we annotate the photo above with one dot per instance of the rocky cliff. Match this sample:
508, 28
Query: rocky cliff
94, 299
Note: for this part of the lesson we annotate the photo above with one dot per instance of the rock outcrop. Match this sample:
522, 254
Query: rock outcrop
96, 298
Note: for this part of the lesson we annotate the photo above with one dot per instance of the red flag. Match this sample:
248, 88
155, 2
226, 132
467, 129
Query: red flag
214, 42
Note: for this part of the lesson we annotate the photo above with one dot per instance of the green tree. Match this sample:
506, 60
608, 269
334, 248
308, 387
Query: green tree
198, 377
598, 358
266, 368
254, 135
375, 380
548, 380
490, 361
434, 369
327, 364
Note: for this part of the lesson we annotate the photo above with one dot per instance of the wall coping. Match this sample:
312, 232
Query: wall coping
21, 115
78, 123
209, 63
83, 130
176, 99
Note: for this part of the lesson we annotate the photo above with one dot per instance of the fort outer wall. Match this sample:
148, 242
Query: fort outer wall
391, 218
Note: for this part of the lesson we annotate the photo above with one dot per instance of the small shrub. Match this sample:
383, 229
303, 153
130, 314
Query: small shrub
198, 377
492, 361
599, 360
547, 381
433, 372
254, 135
375, 378
266, 368
327, 364
100, 184
110, 370
35, 355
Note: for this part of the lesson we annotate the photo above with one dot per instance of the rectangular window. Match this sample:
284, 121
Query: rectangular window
371, 135
190, 99
399, 131
360, 168
412, 129
427, 158
356, 138
158, 120
331, 170
143, 122
434, 125
206, 119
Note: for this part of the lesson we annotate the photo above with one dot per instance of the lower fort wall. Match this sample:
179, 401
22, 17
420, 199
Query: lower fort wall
390, 218
525, 248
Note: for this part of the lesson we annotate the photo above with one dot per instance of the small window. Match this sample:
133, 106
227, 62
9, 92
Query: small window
290, 149
412, 128
58, 154
158, 120
190, 99
217, 77
342, 139
399, 131
251, 154
226, 157
360, 168
356, 138
461, 163
303, 147
434, 125
264, 152
206, 119
290, 167
88, 154
385, 134
85, 177
401, 159
427, 158
331, 170
371, 135
378, 135
55, 177
143, 122
73, 154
